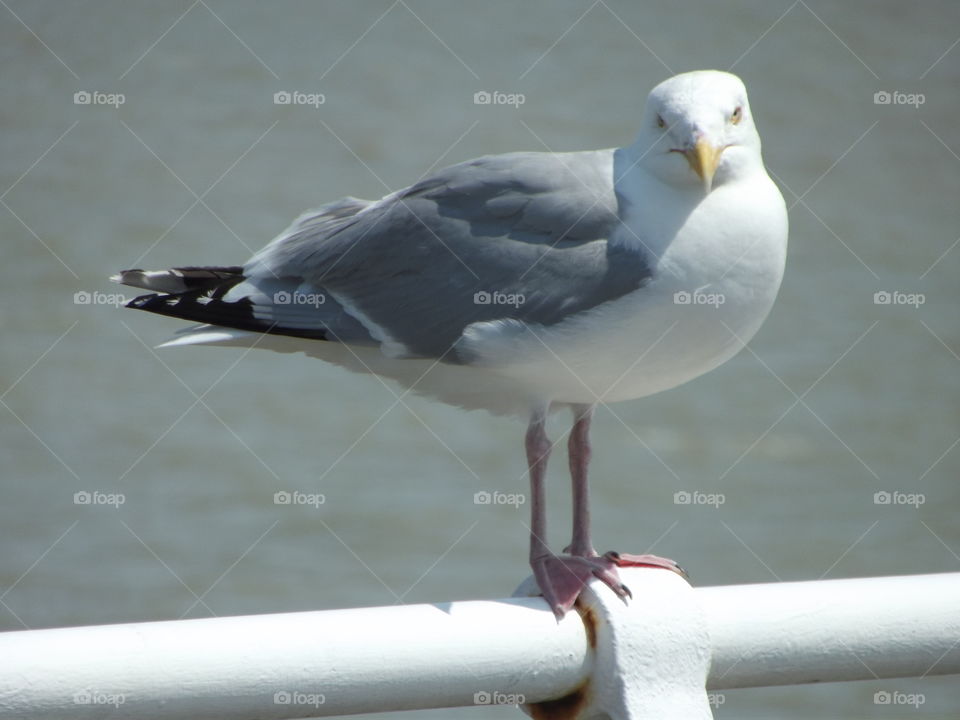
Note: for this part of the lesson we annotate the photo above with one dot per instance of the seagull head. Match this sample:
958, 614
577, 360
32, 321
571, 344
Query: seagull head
698, 131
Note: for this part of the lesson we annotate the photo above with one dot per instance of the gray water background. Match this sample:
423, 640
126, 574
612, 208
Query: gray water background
837, 399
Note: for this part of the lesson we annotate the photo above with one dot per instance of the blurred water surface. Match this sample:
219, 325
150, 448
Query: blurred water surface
837, 399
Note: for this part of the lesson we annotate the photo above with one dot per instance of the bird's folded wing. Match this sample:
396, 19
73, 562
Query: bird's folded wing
520, 238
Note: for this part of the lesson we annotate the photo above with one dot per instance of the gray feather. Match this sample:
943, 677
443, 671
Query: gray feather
417, 263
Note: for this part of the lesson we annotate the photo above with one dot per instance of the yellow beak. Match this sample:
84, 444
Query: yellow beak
704, 158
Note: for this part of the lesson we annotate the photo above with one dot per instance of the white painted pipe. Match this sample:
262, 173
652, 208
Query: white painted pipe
451, 654
296, 665
831, 630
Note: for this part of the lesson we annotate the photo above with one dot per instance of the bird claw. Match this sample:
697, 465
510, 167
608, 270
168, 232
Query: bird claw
652, 561
561, 578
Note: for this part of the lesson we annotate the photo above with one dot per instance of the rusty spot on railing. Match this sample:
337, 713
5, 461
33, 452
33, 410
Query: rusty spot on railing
589, 623
570, 705
563, 708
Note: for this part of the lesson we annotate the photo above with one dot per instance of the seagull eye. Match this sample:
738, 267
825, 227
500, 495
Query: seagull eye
660, 122
737, 115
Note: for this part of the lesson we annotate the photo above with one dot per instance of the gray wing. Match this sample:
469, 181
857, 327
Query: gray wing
521, 236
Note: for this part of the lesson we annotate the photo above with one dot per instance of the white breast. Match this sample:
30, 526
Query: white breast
718, 273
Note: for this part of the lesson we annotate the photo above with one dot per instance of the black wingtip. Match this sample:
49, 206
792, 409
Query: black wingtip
206, 306
142, 301
180, 279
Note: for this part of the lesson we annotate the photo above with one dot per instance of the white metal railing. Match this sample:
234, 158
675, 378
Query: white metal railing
673, 642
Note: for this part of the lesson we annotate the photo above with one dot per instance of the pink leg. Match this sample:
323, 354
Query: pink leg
562, 578
538, 452
580, 545
579, 454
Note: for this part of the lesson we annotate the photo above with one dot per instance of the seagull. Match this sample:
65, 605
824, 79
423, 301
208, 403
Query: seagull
526, 283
